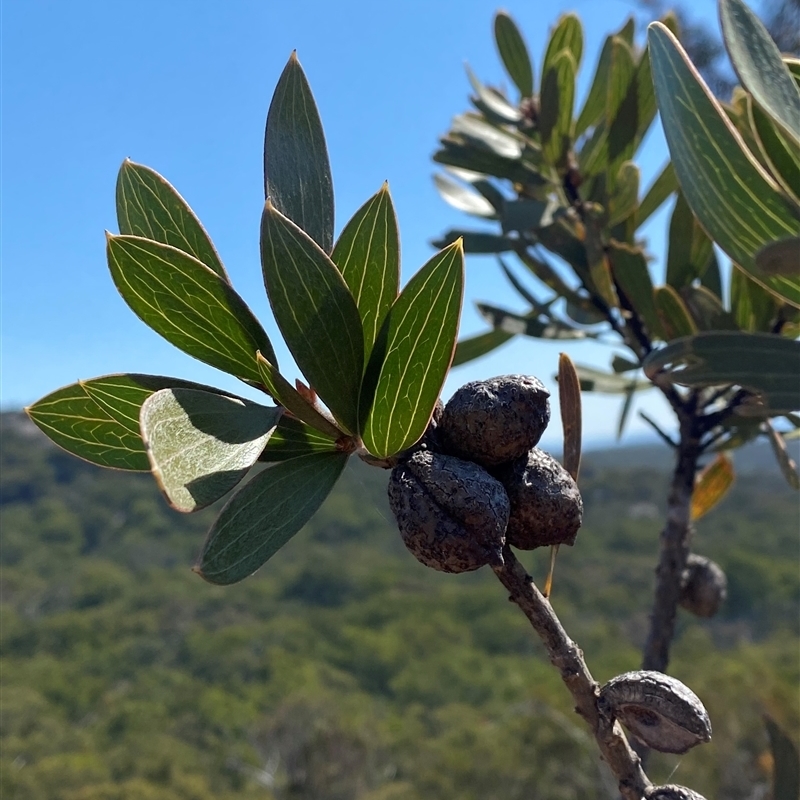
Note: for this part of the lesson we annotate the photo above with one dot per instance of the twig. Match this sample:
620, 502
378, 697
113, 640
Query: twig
567, 657
665, 436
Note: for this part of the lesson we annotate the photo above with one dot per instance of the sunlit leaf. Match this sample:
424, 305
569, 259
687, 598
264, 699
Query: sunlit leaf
293, 438
367, 254
676, 321
463, 198
316, 314
297, 173
476, 346
761, 363
736, 202
463, 153
412, 355
513, 53
780, 153
595, 380
624, 200
757, 62
497, 104
752, 306
200, 444
529, 324
711, 485
148, 206
188, 304
262, 516
556, 102
493, 138
566, 35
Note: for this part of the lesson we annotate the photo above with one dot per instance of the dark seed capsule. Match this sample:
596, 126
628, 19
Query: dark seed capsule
658, 710
494, 421
671, 792
704, 586
546, 506
451, 513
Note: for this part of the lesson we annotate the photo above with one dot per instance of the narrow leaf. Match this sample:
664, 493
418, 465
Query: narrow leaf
594, 107
712, 484
780, 154
148, 206
569, 401
494, 102
487, 136
785, 461
627, 405
367, 254
477, 346
261, 518
706, 309
513, 53
188, 304
632, 276
689, 246
200, 444
297, 173
757, 62
530, 324
293, 438
410, 361
736, 202
595, 380
284, 393
761, 363
780, 258
556, 100
752, 306
316, 314
663, 186
786, 762
624, 200
622, 364
71, 419
567, 35
477, 242
673, 314
462, 198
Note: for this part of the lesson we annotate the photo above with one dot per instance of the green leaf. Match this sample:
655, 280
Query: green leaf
529, 215
780, 258
757, 62
595, 380
624, 200
407, 370
513, 53
284, 393
793, 65
540, 307
493, 100
780, 154
624, 414
293, 438
734, 200
462, 198
622, 364
297, 173
477, 242
367, 254
752, 306
761, 363
492, 138
200, 444
567, 35
316, 314
75, 422
689, 247
594, 107
465, 153
188, 304
629, 267
148, 206
673, 314
785, 461
786, 760
556, 101
663, 186
529, 324
262, 516
706, 309
477, 346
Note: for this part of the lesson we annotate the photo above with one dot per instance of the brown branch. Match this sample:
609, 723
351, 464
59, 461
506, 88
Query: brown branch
567, 657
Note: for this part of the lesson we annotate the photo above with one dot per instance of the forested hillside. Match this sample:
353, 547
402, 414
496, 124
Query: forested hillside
344, 669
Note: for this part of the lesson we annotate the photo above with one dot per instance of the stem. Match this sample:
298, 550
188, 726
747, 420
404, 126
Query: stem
567, 657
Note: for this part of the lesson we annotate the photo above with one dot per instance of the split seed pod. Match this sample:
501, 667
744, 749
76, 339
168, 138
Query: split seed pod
496, 420
671, 792
451, 513
546, 506
658, 710
704, 586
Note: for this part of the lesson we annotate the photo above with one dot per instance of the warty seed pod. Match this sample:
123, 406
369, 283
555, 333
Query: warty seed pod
451, 513
704, 586
658, 710
671, 792
546, 506
496, 420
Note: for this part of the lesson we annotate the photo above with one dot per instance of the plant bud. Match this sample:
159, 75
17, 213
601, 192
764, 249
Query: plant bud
451, 513
546, 506
494, 421
658, 710
704, 586
671, 792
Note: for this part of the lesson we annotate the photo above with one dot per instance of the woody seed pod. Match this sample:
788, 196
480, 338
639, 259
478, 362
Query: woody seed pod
658, 710
671, 792
704, 586
546, 506
451, 513
494, 421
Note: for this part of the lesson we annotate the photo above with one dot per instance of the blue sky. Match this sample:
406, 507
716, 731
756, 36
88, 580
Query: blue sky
183, 86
